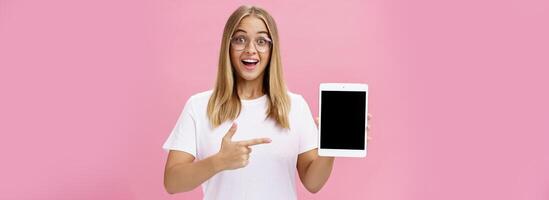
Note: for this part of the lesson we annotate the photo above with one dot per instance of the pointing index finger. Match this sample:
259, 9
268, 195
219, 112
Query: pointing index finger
254, 141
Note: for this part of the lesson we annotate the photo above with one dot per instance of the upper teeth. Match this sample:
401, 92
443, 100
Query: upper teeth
249, 60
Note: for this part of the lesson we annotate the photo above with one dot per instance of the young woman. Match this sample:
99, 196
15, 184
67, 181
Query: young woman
245, 138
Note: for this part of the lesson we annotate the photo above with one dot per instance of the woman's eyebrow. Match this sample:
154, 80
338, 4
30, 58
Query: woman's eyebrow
240, 30
259, 32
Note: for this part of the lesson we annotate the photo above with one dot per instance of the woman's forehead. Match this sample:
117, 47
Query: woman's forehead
252, 25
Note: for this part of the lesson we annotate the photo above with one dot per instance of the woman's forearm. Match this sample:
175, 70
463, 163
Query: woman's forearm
318, 173
187, 176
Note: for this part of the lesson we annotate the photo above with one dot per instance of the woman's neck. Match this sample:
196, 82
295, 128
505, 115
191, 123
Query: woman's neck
250, 89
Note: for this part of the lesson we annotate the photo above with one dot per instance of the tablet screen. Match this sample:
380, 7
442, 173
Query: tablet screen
343, 117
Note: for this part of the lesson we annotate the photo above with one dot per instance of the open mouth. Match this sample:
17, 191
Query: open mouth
250, 64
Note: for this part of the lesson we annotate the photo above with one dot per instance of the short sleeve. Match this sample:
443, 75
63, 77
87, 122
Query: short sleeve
183, 135
307, 130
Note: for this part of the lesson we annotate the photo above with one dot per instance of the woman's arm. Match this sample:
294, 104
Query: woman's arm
182, 174
314, 170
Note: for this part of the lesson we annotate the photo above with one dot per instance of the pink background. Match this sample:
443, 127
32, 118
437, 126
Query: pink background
91, 89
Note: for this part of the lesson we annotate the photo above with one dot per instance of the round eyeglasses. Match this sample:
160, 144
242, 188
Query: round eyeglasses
262, 44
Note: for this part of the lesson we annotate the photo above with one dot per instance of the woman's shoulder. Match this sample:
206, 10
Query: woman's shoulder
198, 102
200, 98
298, 106
296, 99
293, 96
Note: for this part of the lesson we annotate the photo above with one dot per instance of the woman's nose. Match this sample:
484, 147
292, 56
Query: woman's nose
250, 48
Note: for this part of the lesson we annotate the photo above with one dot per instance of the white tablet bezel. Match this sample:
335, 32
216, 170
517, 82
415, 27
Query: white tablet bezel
341, 87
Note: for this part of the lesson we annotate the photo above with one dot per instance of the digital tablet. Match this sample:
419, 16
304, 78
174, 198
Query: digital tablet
343, 110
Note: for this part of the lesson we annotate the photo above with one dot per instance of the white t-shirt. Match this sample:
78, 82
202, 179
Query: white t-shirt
271, 171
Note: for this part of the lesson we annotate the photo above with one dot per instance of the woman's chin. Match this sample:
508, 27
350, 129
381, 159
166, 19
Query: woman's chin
249, 75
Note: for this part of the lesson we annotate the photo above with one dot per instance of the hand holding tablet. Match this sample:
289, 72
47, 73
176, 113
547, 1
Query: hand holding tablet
343, 109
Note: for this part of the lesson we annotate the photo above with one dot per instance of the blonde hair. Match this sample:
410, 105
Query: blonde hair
224, 104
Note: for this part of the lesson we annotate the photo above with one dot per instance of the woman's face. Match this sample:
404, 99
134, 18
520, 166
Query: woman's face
250, 49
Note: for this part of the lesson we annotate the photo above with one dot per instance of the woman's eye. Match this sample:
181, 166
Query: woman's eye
261, 41
240, 40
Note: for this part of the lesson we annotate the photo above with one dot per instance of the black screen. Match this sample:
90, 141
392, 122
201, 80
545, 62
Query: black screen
343, 120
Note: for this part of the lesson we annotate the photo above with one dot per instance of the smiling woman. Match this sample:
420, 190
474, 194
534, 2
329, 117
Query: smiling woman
240, 42
250, 40
205, 147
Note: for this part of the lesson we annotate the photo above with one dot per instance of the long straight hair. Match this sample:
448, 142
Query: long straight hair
224, 104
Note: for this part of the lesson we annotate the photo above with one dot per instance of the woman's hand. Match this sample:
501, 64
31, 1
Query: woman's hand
235, 154
368, 127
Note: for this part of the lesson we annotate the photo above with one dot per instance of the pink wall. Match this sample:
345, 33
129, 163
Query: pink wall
91, 89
